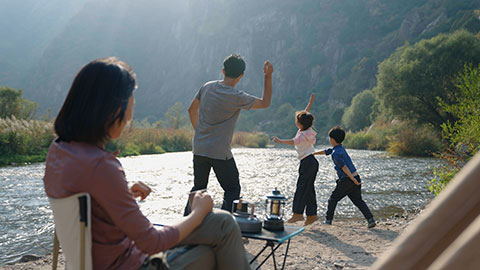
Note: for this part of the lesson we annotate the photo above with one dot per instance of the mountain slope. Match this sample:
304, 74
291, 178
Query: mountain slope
328, 47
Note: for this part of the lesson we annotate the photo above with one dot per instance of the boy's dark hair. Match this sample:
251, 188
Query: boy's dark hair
97, 98
234, 66
305, 118
337, 133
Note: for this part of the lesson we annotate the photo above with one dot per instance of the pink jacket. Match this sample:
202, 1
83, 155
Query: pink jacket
304, 142
122, 235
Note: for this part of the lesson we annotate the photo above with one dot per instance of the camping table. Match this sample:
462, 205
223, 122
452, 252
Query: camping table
274, 240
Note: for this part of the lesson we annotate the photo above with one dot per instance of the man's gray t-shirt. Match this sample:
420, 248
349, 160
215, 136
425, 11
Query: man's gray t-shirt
220, 107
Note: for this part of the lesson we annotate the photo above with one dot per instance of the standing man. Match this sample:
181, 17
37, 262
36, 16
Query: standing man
214, 112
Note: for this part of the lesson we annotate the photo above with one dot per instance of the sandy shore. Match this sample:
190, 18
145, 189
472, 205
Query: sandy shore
343, 245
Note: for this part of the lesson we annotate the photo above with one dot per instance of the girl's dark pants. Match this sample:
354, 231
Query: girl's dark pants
346, 187
305, 194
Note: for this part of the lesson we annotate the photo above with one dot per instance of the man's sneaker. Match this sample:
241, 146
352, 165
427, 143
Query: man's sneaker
371, 223
328, 222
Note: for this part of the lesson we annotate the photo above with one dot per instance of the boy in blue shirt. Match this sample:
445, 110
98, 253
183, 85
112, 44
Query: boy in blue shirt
348, 183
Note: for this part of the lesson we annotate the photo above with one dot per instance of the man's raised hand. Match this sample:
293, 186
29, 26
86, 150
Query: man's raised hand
267, 68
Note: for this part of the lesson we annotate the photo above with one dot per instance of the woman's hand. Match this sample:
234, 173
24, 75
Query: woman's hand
202, 203
141, 190
275, 139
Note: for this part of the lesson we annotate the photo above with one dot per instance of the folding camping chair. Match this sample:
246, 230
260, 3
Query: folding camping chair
72, 231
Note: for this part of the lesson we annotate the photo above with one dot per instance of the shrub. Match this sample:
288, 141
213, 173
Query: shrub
401, 138
359, 140
412, 141
443, 175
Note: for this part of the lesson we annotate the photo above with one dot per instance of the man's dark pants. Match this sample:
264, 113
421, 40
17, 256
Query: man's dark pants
227, 175
346, 187
305, 197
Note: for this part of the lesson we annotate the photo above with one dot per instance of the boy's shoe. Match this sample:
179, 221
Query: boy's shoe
328, 222
295, 218
310, 220
371, 223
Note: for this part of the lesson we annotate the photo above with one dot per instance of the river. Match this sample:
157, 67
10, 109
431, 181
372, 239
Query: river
390, 185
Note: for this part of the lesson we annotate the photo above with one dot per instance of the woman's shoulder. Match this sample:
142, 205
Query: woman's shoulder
79, 155
73, 167
79, 150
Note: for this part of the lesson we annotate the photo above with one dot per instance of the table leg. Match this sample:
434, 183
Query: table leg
273, 257
261, 251
286, 253
270, 244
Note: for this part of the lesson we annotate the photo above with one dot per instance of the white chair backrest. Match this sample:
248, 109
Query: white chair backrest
66, 213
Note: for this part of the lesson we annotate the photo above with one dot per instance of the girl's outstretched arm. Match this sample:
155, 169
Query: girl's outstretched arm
277, 140
319, 153
310, 102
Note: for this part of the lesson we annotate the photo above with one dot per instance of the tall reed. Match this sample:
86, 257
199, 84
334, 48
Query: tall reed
24, 140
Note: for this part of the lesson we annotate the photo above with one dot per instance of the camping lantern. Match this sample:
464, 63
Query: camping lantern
274, 211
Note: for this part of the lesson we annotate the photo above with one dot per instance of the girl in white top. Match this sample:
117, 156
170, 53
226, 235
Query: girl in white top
304, 199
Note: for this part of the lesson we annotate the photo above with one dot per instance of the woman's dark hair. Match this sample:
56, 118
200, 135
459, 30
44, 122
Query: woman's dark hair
337, 133
234, 66
305, 118
97, 98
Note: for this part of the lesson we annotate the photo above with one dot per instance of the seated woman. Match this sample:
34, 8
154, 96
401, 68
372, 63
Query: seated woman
97, 108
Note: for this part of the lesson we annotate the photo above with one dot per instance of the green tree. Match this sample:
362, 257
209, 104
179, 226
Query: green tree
466, 130
411, 80
463, 135
175, 116
357, 116
12, 103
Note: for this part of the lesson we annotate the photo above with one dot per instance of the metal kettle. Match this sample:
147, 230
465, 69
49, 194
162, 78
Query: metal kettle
247, 222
